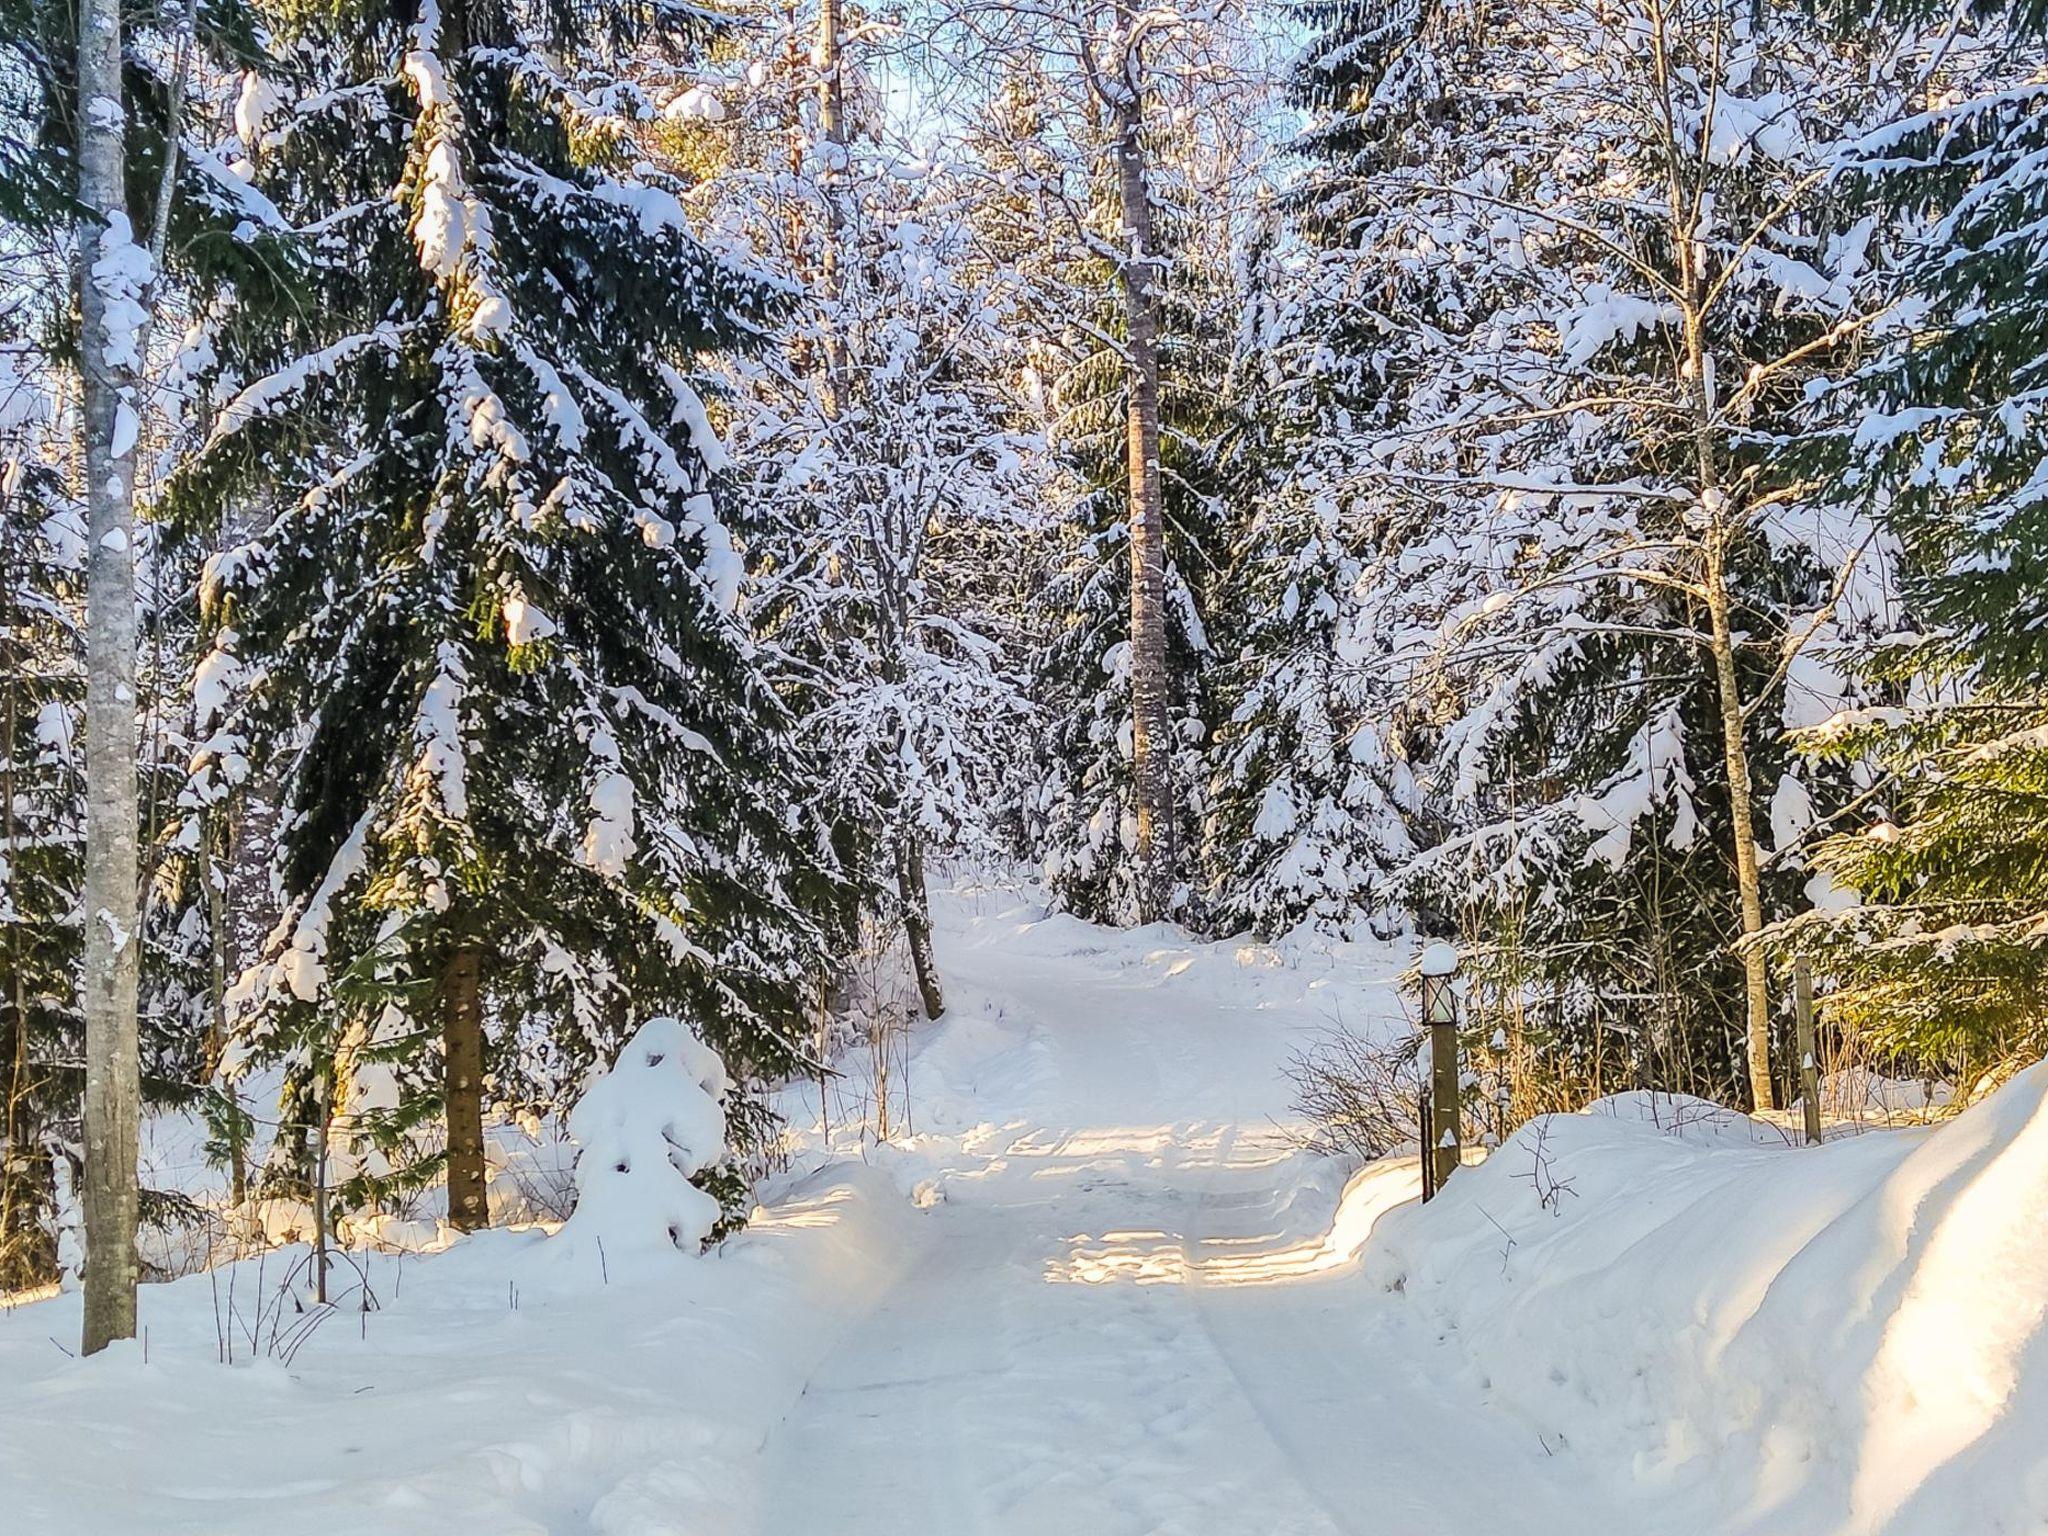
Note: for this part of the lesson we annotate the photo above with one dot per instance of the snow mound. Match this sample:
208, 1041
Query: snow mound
1863, 1093
1689, 1119
1845, 1340
645, 1129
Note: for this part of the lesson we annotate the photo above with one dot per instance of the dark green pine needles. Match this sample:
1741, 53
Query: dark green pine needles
484, 635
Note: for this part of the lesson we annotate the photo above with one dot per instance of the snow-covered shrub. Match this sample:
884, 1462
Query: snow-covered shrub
1690, 1119
646, 1129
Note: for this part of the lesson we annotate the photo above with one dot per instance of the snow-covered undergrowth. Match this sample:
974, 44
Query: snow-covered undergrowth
1740, 1336
644, 1130
602, 1377
529, 1168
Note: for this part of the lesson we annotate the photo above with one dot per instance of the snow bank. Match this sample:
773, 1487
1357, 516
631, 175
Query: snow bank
489, 1387
1745, 1336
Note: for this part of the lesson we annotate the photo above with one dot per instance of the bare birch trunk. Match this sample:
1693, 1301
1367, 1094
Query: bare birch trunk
1748, 873
1718, 534
462, 1045
108, 352
1151, 742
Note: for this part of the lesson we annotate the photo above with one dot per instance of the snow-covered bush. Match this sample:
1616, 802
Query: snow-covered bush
646, 1129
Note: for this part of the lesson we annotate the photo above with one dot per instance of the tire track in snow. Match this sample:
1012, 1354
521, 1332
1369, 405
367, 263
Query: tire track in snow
1047, 1371
1345, 1388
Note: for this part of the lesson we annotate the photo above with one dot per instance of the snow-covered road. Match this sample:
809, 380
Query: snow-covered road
1096, 1289
1118, 1315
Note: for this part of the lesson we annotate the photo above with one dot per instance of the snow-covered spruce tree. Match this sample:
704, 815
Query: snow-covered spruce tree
1344, 310
1606, 593
42, 541
1079, 820
647, 1132
1312, 793
876, 440
41, 826
1345, 316
1945, 440
533, 781
1112, 139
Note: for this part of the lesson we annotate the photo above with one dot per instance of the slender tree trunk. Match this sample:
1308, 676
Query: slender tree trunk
1748, 874
1720, 528
28, 1248
112, 279
826, 59
1716, 537
220, 855
1809, 1067
28, 1192
1151, 738
462, 1045
917, 923
323, 1130
17, 1229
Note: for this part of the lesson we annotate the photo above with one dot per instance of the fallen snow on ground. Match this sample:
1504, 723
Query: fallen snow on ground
1097, 1285
489, 1392
1118, 1319
1736, 1335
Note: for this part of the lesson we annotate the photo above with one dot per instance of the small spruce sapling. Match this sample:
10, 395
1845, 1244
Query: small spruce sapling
650, 1130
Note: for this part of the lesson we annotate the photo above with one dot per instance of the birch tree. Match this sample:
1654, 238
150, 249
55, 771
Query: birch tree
1115, 70
1096, 125
114, 277
879, 440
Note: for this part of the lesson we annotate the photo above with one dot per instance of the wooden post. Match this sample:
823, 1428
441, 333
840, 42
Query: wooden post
1809, 1069
1440, 1013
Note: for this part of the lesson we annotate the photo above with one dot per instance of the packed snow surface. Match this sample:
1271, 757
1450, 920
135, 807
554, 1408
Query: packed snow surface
1094, 1284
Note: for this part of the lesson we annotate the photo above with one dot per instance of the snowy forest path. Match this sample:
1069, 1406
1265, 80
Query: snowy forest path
1117, 1317
1045, 1362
